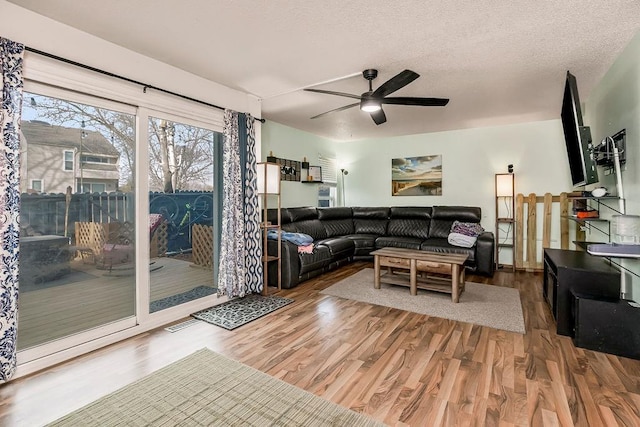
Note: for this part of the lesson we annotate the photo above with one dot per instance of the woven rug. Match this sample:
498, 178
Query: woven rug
494, 306
240, 311
173, 300
208, 389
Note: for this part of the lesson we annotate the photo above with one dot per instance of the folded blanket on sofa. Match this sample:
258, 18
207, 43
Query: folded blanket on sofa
462, 240
472, 229
299, 239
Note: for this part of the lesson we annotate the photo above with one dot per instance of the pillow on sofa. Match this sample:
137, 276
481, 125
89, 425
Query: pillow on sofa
464, 234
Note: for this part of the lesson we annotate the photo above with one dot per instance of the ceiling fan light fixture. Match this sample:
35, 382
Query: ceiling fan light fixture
370, 105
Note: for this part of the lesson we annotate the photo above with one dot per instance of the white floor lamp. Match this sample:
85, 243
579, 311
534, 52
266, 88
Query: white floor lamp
343, 172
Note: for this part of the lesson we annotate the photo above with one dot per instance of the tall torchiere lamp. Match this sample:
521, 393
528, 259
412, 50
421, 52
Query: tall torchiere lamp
269, 186
505, 204
343, 172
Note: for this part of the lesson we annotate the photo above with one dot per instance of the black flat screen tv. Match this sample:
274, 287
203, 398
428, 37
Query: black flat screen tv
577, 137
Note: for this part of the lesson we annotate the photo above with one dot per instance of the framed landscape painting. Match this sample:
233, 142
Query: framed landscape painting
417, 176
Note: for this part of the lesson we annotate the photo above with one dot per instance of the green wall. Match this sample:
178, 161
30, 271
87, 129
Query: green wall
612, 106
289, 143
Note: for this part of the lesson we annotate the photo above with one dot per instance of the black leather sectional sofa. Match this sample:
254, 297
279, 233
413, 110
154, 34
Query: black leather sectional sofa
342, 234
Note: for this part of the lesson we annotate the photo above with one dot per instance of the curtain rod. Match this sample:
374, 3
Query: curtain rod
145, 86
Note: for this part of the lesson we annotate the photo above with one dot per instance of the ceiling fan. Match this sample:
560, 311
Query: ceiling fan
372, 100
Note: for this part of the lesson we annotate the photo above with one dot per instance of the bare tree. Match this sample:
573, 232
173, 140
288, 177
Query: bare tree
180, 156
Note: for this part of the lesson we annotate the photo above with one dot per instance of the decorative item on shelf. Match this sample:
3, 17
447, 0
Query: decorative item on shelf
599, 192
305, 164
315, 174
289, 169
588, 213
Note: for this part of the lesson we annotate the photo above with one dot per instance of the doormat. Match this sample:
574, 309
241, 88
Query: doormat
240, 311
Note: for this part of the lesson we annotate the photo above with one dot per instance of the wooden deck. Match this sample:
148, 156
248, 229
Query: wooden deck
94, 297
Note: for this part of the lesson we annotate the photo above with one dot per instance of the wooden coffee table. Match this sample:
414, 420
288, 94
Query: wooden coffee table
415, 261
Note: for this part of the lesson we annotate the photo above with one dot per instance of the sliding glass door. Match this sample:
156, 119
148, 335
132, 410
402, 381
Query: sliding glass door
181, 211
78, 218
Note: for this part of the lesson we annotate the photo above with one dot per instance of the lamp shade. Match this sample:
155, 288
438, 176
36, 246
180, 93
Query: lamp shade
268, 178
504, 184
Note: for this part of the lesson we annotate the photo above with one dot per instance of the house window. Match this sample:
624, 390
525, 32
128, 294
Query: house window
68, 160
327, 191
329, 170
36, 185
98, 159
92, 187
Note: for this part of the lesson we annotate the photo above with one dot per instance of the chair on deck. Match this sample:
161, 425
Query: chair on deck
111, 243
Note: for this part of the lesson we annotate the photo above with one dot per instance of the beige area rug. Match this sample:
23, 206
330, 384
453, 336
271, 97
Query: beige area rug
208, 389
493, 306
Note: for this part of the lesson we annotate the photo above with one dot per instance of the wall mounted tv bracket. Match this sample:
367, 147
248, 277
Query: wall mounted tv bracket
605, 156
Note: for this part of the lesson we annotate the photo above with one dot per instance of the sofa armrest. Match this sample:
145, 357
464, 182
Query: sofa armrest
485, 250
290, 264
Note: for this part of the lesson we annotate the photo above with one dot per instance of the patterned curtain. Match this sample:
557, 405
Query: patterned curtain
239, 271
254, 277
11, 55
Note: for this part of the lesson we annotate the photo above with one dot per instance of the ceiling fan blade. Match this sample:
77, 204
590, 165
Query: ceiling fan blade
379, 117
330, 92
425, 102
337, 109
394, 83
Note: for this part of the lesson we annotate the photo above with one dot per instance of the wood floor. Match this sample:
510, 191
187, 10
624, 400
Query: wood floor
398, 367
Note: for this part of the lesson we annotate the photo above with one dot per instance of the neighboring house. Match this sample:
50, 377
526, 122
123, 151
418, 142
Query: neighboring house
56, 157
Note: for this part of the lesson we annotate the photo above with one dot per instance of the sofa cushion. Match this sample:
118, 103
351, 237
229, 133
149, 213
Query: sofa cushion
442, 218
398, 242
442, 246
319, 258
336, 221
338, 227
302, 214
339, 247
272, 216
364, 243
312, 227
334, 213
409, 222
370, 220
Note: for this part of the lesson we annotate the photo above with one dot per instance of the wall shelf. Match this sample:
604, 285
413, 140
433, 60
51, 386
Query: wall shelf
596, 223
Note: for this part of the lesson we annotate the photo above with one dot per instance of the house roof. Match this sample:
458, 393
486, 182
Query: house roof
42, 133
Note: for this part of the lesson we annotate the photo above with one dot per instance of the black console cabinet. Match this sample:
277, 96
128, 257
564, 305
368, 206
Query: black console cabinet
607, 325
565, 271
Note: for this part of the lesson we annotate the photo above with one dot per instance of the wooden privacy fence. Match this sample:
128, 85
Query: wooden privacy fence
526, 255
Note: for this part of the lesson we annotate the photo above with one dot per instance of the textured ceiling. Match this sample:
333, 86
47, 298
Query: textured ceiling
499, 62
